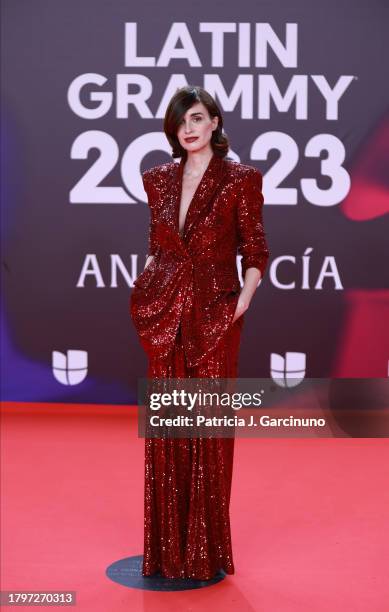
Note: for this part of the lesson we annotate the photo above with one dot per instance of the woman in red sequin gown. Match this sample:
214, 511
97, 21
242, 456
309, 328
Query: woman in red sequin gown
187, 306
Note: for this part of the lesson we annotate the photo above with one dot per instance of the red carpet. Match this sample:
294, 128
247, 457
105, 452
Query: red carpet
309, 516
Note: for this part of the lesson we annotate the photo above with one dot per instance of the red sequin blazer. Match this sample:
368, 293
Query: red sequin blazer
193, 279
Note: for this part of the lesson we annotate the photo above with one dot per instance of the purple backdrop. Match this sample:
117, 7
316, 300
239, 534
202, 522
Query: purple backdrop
304, 94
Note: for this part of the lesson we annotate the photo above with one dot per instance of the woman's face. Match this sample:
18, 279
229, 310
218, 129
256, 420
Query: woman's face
196, 124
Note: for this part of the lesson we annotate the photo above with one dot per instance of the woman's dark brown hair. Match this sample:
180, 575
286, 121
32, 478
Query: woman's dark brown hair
183, 99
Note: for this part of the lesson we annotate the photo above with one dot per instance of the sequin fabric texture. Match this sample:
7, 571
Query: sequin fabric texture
187, 530
193, 280
182, 307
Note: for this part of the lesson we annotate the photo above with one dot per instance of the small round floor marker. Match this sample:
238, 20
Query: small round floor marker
128, 572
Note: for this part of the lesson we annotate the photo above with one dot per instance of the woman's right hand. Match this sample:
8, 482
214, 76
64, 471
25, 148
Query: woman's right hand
148, 261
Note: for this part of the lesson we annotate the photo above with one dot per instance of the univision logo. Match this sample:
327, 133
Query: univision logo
70, 369
288, 371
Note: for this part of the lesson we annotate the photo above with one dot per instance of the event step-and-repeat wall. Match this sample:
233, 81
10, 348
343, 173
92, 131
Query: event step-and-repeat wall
303, 90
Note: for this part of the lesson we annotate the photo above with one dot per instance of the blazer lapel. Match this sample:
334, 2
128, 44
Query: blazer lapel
210, 181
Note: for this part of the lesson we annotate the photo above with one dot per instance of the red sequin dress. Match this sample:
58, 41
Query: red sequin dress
182, 307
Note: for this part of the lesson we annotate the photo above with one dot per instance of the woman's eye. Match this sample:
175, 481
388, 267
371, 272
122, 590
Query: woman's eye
195, 119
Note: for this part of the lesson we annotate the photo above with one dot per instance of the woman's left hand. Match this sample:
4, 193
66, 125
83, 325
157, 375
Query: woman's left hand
241, 307
251, 280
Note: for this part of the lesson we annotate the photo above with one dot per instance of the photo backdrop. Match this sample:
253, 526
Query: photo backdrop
303, 90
